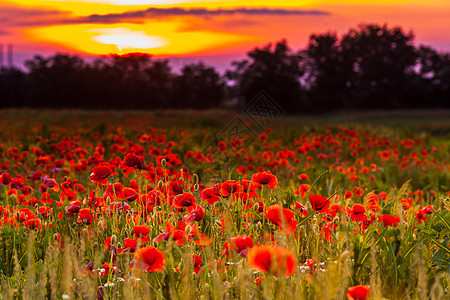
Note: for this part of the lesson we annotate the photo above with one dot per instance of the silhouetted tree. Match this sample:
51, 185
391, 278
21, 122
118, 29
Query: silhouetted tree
431, 85
382, 60
198, 87
13, 87
329, 73
275, 69
56, 81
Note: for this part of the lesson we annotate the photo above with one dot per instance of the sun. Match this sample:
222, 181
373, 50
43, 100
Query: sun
124, 38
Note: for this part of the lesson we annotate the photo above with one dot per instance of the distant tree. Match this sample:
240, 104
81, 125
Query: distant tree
431, 85
198, 87
13, 87
56, 81
274, 69
329, 73
382, 60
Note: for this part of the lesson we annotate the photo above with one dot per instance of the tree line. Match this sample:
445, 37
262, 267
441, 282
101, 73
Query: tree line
369, 67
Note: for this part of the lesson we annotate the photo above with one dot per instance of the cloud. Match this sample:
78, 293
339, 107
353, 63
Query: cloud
12, 16
2, 32
140, 15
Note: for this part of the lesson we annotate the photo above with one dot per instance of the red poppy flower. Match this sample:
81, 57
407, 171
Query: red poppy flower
229, 187
50, 183
319, 203
128, 245
197, 261
33, 224
240, 244
300, 207
149, 259
359, 292
184, 200
73, 208
171, 233
44, 211
132, 160
100, 174
210, 195
196, 213
276, 260
282, 217
5, 179
389, 220
357, 213
141, 230
420, 216
85, 216
130, 194
114, 191
265, 178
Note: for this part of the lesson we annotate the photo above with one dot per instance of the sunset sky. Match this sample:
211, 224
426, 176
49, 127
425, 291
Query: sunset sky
214, 31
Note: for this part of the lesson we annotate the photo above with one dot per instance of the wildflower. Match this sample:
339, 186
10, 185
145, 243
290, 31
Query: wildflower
130, 194
141, 231
50, 183
149, 259
132, 160
129, 245
183, 200
282, 217
276, 260
357, 213
300, 207
197, 261
319, 203
265, 178
210, 195
389, 220
240, 244
85, 216
196, 213
359, 292
171, 233
100, 174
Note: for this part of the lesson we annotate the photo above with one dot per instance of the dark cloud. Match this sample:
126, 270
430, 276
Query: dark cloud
2, 32
139, 16
11, 16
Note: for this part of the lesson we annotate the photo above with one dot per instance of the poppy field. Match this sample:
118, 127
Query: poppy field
163, 205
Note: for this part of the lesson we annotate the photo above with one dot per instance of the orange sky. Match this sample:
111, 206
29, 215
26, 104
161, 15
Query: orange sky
202, 29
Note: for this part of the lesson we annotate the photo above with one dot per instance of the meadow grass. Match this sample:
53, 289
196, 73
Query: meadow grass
400, 160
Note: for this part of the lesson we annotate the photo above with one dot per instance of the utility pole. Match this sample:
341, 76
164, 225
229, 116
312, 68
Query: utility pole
10, 56
1, 57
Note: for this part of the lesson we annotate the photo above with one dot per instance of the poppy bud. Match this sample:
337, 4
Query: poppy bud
196, 178
160, 184
163, 162
188, 229
218, 223
113, 239
195, 187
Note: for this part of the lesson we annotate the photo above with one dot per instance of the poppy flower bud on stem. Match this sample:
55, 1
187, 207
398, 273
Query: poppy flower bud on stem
160, 184
55, 237
196, 178
195, 187
113, 239
218, 223
163, 162
188, 229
